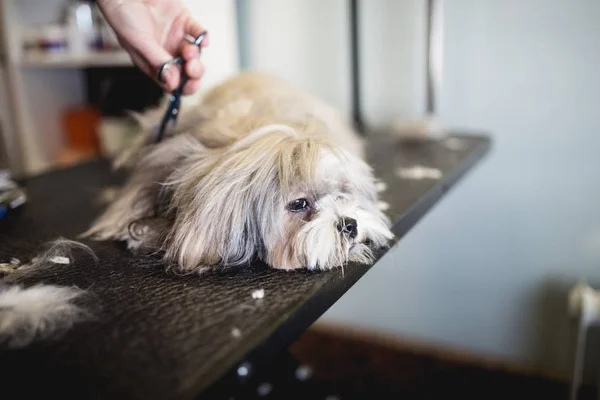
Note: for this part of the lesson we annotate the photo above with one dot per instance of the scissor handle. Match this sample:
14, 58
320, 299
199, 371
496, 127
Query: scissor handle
175, 100
179, 60
161, 70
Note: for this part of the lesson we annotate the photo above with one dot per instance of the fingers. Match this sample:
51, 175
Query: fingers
139, 60
150, 57
194, 69
171, 76
193, 64
191, 87
194, 29
189, 51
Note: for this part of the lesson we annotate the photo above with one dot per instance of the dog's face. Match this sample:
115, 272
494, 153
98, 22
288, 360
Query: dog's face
292, 201
331, 219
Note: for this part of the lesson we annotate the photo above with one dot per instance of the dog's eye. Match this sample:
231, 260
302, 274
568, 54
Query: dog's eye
298, 205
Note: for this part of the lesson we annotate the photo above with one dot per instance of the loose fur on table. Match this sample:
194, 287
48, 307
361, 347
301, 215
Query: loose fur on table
258, 169
40, 312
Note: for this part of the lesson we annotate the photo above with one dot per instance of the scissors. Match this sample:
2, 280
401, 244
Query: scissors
172, 112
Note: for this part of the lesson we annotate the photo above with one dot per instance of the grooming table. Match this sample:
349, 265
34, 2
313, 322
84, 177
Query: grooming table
162, 336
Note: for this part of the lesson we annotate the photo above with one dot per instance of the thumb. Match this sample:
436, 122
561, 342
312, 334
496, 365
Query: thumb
152, 56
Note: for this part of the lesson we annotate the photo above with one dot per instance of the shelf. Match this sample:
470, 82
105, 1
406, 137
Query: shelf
115, 58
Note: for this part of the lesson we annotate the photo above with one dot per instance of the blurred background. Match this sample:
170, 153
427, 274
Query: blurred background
486, 274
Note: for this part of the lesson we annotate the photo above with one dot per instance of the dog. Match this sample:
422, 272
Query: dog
258, 169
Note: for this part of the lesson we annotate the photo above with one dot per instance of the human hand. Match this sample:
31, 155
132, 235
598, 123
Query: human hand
154, 32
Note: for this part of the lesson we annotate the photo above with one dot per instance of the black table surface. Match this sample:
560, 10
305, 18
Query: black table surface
163, 336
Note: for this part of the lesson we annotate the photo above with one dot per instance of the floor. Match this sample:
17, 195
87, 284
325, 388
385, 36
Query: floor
358, 368
333, 365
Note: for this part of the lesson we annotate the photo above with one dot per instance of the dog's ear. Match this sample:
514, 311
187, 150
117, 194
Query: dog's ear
224, 201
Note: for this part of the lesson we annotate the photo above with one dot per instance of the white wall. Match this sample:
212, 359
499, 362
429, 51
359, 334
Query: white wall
221, 57
305, 42
392, 48
308, 43
488, 270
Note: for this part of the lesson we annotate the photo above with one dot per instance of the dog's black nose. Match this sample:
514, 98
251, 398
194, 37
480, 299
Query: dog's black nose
348, 226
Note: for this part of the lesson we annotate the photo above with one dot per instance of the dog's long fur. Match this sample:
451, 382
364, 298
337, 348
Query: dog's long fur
219, 191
